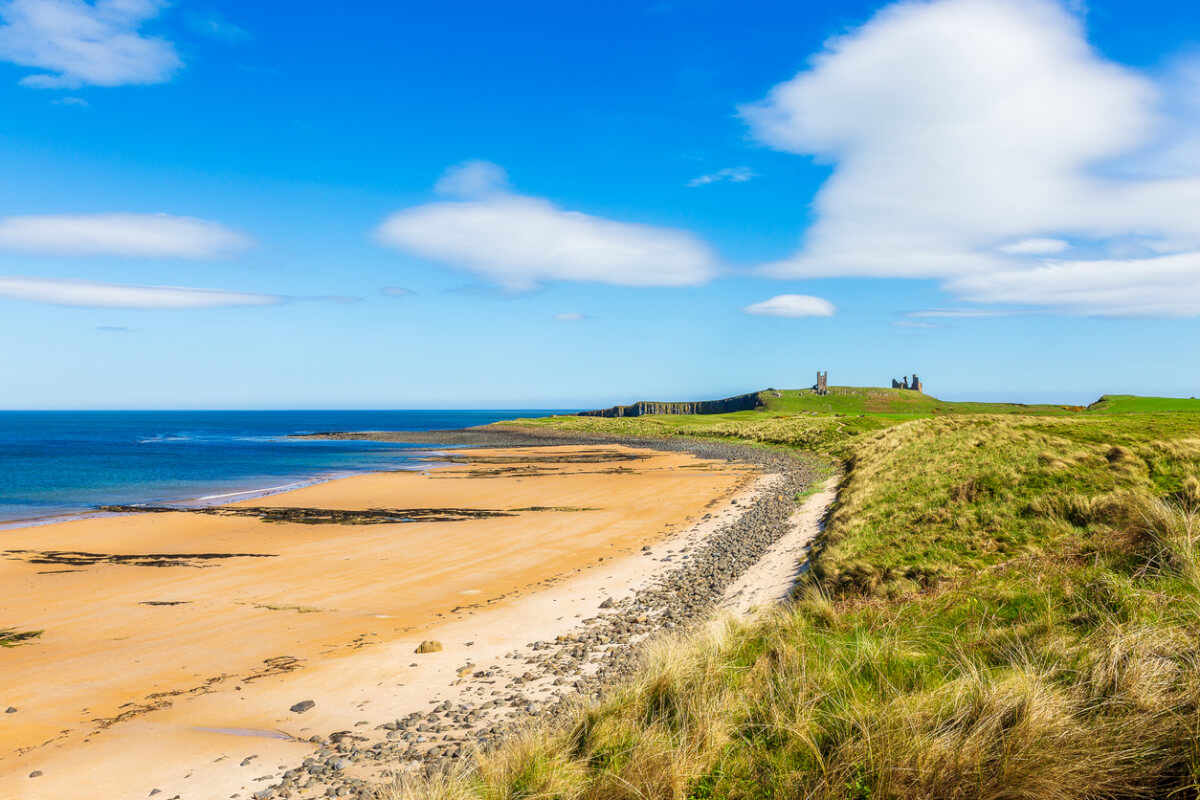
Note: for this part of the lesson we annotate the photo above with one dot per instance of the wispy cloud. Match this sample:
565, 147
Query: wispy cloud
77, 102
215, 26
963, 135
80, 44
520, 242
792, 305
963, 313
571, 316
114, 329
396, 291
472, 180
1034, 247
731, 174
92, 294
136, 235
910, 323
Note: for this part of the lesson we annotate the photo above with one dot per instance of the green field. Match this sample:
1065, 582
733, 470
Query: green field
1002, 605
1131, 404
887, 402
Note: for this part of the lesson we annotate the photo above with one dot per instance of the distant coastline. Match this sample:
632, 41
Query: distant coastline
64, 465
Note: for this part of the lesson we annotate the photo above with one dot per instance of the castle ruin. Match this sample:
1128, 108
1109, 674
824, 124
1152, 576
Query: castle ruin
822, 386
915, 385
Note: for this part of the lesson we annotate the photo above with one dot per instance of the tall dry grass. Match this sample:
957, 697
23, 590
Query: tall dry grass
1001, 609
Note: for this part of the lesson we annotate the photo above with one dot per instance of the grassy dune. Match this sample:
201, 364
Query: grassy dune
1002, 605
1130, 404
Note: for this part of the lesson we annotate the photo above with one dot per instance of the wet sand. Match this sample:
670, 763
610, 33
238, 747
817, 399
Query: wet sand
174, 648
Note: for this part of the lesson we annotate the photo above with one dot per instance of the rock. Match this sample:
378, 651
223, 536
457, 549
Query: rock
302, 706
10, 710
154, 792
37, 773
429, 646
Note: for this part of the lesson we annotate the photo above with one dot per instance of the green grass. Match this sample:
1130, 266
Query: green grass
1132, 404
888, 402
1002, 605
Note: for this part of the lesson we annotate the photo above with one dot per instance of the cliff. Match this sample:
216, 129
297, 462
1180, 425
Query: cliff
743, 402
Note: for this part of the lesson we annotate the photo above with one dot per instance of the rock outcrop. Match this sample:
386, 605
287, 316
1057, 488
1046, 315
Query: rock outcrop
743, 402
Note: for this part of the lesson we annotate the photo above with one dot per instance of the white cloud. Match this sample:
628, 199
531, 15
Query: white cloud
519, 242
137, 235
396, 291
962, 313
909, 323
792, 305
78, 102
91, 294
1034, 247
215, 26
966, 137
472, 180
80, 44
731, 174
1166, 286
571, 316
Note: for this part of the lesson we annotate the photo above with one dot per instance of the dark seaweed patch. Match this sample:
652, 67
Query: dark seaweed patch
75, 558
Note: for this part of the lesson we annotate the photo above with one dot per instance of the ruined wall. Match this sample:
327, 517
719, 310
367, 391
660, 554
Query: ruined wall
915, 385
743, 402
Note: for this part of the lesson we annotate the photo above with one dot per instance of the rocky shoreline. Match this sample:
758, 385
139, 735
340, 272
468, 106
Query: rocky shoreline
539, 679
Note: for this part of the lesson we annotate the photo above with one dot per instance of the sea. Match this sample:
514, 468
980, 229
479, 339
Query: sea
60, 464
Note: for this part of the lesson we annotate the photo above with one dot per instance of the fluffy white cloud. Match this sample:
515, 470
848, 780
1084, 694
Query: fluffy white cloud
78, 43
966, 137
91, 294
792, 305
1166, 286
519, 242
731, 174
138, 235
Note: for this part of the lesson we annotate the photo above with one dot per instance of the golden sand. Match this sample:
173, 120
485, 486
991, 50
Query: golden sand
132, 652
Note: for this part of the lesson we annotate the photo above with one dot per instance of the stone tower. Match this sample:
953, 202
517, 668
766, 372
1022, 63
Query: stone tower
915, 385
822, 386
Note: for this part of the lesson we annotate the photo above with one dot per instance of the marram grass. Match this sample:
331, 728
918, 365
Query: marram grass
1001, 606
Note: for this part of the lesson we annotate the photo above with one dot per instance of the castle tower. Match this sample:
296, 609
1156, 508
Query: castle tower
822, 386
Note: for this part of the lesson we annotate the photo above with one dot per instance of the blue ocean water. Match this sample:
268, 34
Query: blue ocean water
63, 462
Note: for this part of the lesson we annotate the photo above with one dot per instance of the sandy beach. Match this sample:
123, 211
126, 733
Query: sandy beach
175, 644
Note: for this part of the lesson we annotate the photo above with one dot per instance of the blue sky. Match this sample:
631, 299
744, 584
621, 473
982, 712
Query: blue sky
551, 205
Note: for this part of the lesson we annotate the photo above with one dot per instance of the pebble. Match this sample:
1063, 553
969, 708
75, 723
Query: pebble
585, 662
302, 706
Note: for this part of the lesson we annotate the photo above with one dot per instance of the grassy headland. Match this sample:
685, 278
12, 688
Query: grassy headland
1005, 603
